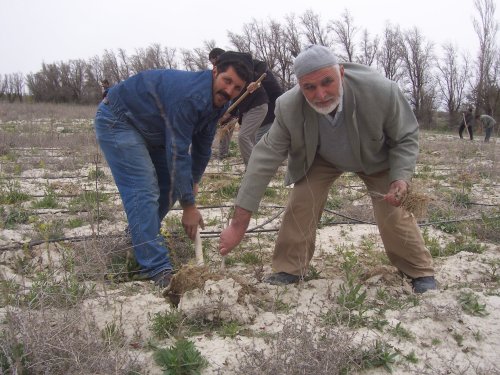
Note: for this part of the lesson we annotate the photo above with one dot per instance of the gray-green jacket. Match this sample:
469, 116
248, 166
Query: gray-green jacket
381, 126
487, 121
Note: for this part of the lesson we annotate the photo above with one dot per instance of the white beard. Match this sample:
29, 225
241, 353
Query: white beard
331, 107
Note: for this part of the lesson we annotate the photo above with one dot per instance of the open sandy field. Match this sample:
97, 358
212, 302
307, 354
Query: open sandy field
72, 301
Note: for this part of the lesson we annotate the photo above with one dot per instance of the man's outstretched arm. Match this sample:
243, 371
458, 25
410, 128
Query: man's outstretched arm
234, 233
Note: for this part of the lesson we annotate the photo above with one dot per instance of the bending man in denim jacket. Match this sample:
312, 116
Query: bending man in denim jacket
156, 130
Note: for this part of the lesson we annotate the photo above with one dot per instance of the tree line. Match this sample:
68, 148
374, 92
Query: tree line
451, 80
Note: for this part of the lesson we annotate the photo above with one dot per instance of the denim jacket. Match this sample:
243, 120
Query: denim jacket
173, 109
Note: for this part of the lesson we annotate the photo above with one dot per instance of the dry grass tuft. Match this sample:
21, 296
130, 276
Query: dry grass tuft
416, 203
61, 342
226, 128
303, 349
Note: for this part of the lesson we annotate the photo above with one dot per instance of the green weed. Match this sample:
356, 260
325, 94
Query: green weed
166, 324
470, 304
380, 355
401, 332
49, 200
180, 359
230, 329
11, 193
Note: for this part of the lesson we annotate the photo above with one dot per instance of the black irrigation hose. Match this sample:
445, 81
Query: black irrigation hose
213, 234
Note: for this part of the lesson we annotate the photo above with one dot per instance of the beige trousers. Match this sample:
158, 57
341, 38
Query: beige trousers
295, 245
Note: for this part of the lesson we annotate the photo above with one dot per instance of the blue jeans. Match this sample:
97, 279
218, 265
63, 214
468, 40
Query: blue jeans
141, 174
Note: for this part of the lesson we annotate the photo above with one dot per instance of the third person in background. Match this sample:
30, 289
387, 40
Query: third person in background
255, 112
488, 123
466, 123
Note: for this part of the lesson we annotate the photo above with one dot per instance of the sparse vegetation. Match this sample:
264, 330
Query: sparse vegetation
74, 296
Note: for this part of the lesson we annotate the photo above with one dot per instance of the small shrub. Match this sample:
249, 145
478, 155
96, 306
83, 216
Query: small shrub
75, 222
470, 304
49, 200
431, 243
11, 193
462, 244
47, 291
230, 329
250, 258
380, 355
96, 174
16, 215
50, 230
401, 332
180, 359
165, 325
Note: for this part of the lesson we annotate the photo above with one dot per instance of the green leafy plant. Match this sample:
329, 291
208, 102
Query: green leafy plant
180, 359
431, 243
351, 298
49, 199
380, 355
96, 174
16, 215
230, 329
46, 290
250, 258
411, 357
470, 304
401, 332
462, 243
11, 193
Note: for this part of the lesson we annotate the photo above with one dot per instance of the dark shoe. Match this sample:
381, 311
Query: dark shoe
163, 278
282, 278
423, 284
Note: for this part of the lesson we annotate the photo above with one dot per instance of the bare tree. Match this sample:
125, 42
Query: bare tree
281, 55
170, 61
196, 59
242, 42
110, 66
314, 31
417, 55
389, 54
269, 43
138, 61
3, 86
154, 57
292, 35
369, 49
124, 65
486, 27
452, 80
345, 32
14, 87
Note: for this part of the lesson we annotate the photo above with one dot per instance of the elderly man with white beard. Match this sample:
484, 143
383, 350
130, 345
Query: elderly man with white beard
339, 118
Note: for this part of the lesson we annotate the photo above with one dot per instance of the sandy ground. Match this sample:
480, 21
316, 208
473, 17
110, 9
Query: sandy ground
444, 338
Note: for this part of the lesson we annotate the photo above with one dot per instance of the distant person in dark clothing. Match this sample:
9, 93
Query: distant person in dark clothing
224, 137
273, 91
214, 54
105, 88
467, 119
489, 123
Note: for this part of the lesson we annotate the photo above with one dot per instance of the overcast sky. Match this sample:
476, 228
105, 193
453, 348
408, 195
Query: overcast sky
36, 31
